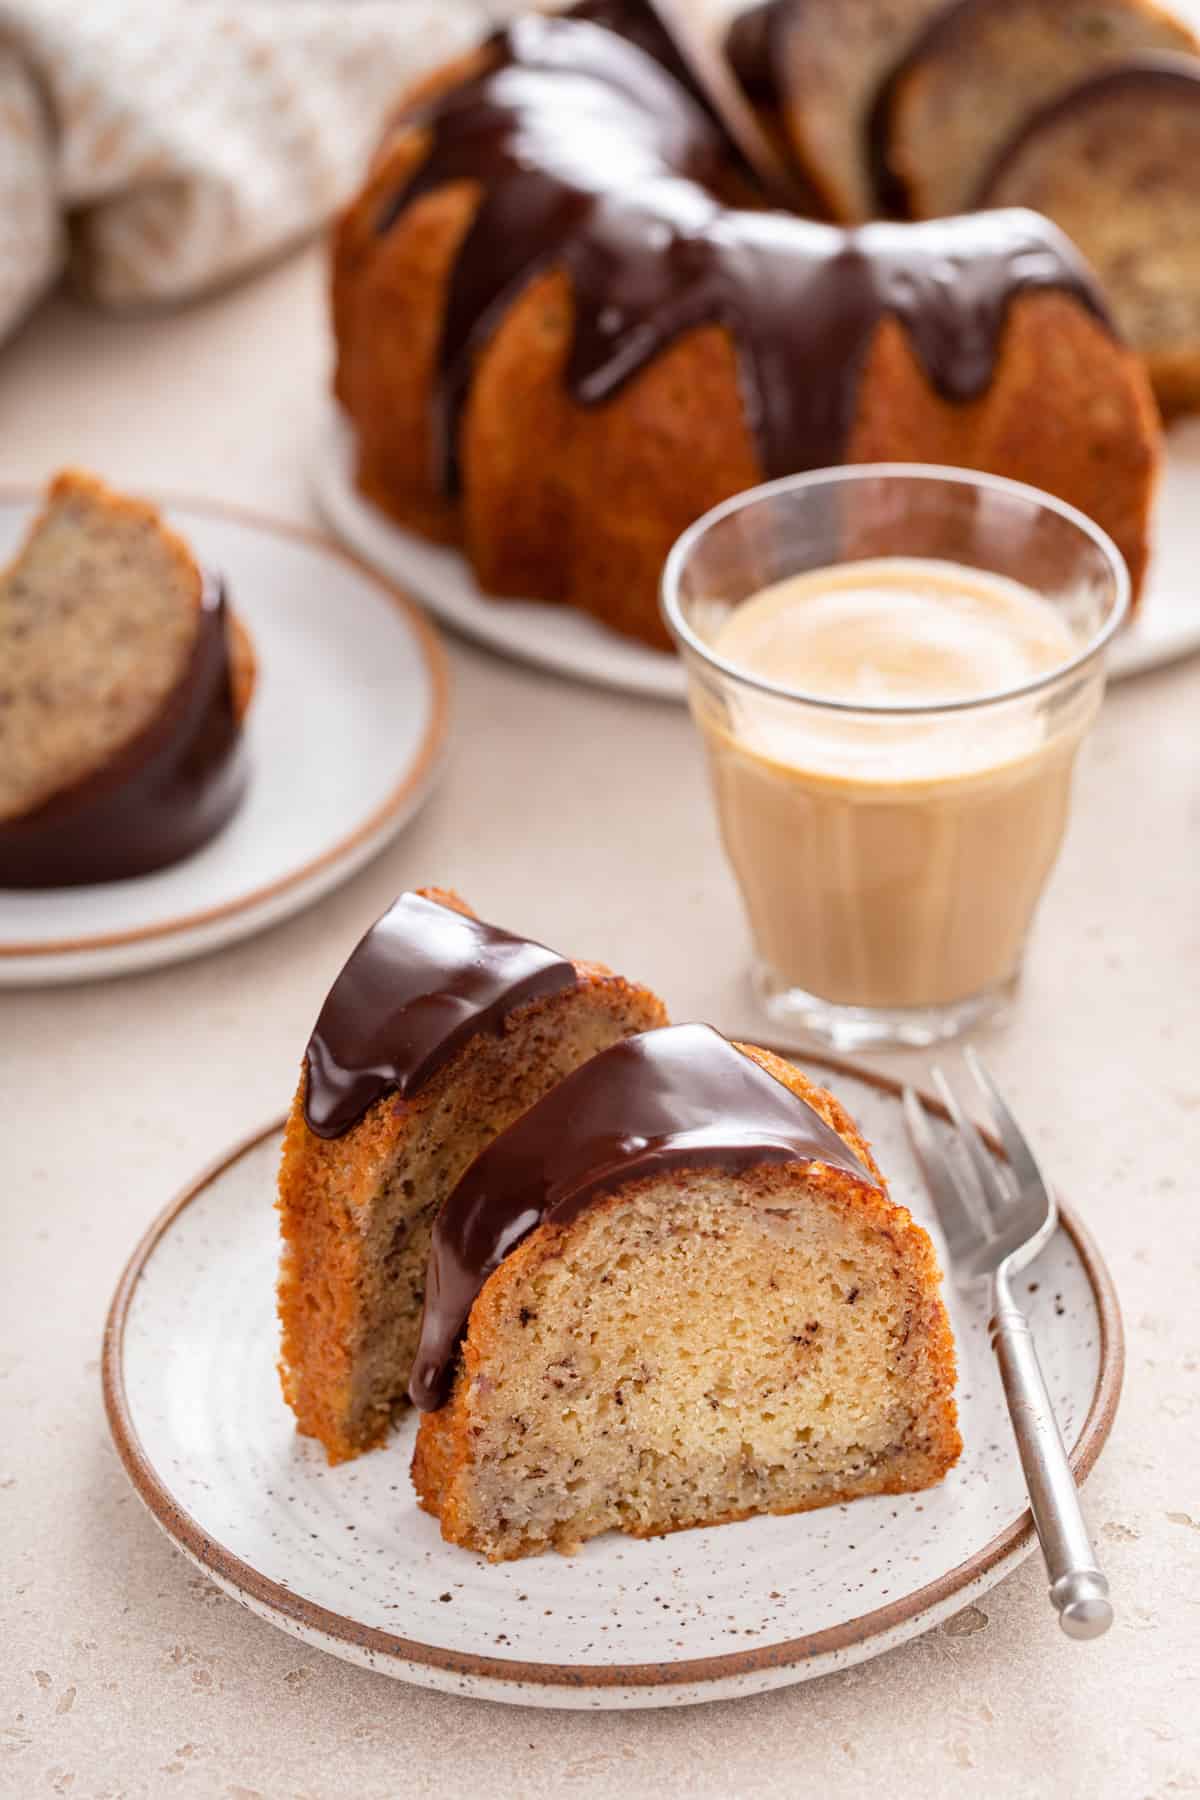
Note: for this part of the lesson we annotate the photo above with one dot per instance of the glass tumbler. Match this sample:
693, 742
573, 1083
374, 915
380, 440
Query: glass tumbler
891, 857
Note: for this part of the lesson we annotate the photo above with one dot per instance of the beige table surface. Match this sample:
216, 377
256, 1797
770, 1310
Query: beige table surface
581, 817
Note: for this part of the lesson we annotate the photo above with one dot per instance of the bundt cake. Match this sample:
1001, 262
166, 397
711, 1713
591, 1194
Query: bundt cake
675, 1293
558, 343
813, 71
1114, 161
978, 71
438, 1032
125, 680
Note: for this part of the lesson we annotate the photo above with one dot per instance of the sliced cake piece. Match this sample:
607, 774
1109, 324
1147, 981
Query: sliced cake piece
438, 1033
1114, 162
686, 1298
122, 685
983, 67
813, 68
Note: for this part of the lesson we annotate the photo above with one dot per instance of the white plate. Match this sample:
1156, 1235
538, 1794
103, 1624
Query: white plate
344, 1559
558, 637
345, 730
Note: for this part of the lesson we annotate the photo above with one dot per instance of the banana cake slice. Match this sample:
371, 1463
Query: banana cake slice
439, 1031
813, 69
123, 683
1113, 162
675, 1293
981, 68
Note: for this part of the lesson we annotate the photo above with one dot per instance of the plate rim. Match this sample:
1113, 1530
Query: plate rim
275, 1601
431, 652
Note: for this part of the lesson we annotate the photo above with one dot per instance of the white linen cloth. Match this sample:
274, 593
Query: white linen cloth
160, 147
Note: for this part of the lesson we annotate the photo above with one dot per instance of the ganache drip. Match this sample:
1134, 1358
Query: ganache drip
424, 980
592, 159
682, 1097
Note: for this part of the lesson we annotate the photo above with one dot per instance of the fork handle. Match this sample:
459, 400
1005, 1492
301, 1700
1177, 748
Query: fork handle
1078, 1589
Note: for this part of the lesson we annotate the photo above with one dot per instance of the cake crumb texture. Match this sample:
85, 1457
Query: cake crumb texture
693, 1349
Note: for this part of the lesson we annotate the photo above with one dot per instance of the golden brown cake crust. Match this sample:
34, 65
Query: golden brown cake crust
331, 1267
446, 1440
71, 482
387, 388
1096, 445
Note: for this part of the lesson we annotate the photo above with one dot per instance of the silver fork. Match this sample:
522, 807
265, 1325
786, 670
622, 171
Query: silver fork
995, 1220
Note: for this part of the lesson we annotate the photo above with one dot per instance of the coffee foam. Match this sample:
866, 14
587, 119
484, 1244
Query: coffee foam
892, 632
896, 631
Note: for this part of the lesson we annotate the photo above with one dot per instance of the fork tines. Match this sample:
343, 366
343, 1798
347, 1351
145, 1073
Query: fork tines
987, 1208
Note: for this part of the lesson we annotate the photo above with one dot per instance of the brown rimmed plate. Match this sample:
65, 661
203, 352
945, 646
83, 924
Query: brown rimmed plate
345, 732
344, 1560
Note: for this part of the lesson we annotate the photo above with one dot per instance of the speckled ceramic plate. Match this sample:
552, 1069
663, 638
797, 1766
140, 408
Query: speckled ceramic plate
343, 1558
557, 637
345, 732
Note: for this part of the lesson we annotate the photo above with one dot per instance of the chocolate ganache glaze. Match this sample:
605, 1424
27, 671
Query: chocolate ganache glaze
682, 1097
423, 980
592, 159
166, 793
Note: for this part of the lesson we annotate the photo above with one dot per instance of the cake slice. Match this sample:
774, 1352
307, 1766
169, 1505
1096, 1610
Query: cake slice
123, 685
438, 1033
1113, 162
813, 68
982, 67
675, 1293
